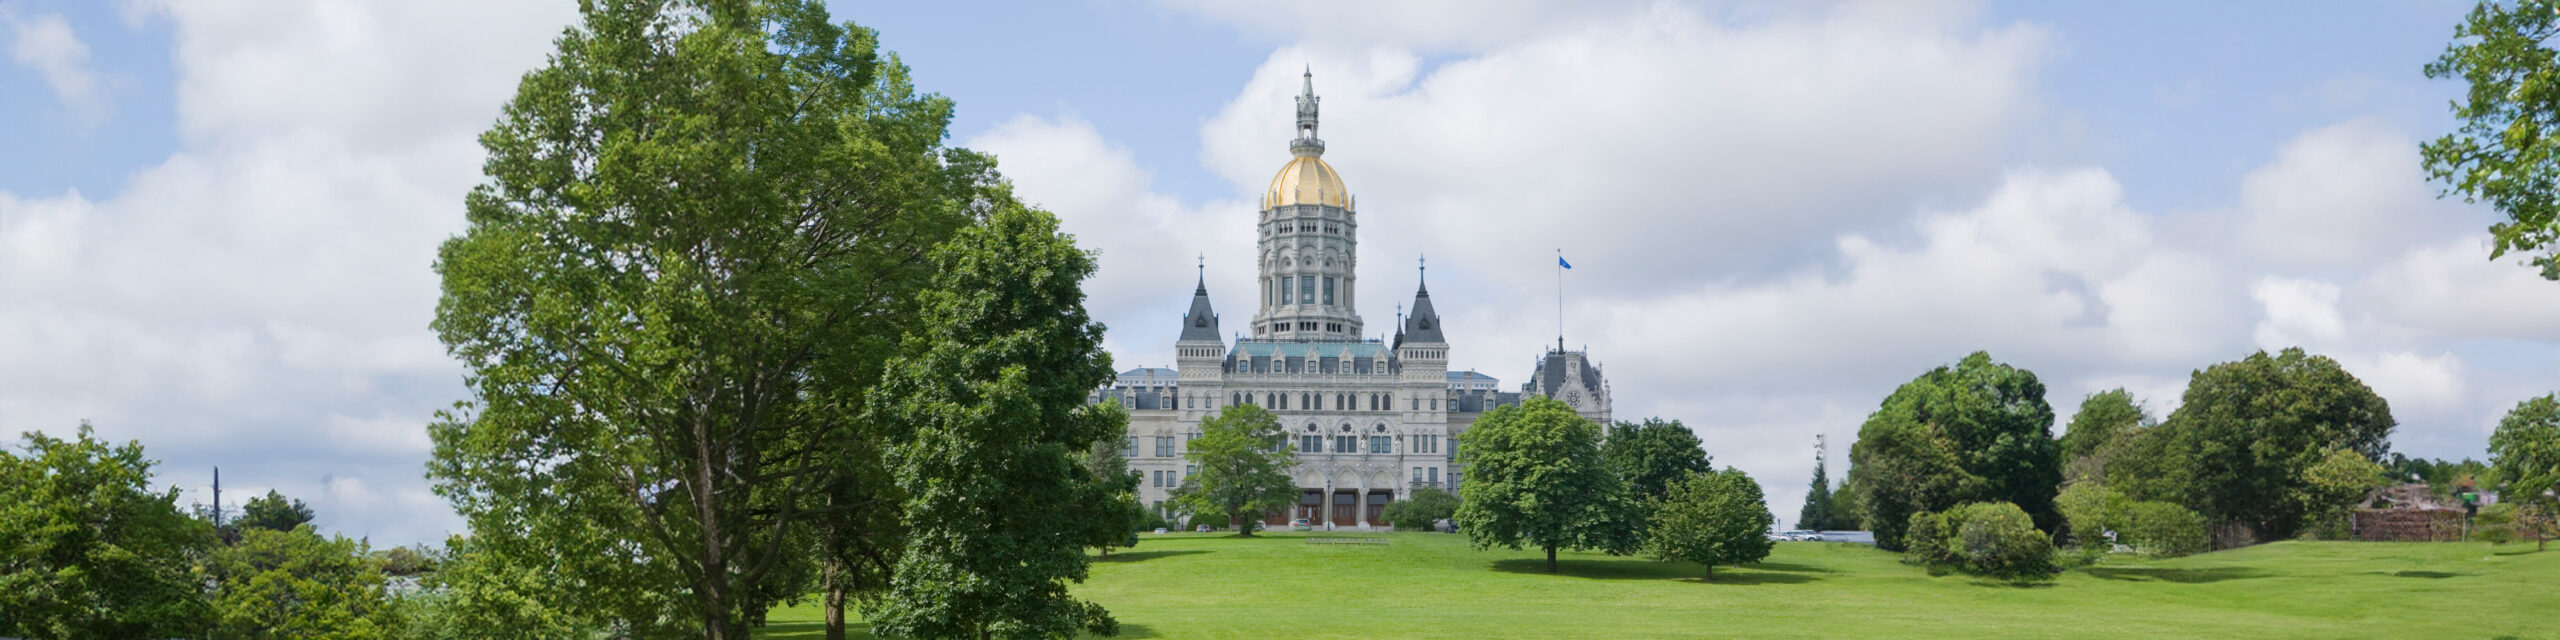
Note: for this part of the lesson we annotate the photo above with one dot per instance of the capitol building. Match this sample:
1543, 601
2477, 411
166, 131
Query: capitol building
1370, 420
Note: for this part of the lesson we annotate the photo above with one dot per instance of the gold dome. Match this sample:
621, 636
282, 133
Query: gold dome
1307, 180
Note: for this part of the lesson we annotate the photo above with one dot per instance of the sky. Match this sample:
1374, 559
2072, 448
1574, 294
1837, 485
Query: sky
217, 217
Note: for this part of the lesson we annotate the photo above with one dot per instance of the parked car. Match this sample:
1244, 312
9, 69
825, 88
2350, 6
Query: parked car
1201, 529
1160, 530
1301, 524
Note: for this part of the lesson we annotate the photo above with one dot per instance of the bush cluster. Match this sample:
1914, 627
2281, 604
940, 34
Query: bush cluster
2164, 529
1990, 539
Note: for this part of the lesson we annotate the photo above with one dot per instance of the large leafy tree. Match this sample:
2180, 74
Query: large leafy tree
1977, 432
297, 584
88, 550
2505, 152
2243, 444
1652, 455
1535, 478
274, 512
986, 405
2103, 416
1115, 521
702, 227
2526, 450
1244, 468
1712, 518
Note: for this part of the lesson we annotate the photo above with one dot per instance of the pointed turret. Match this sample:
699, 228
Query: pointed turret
1201, 323
1423, 325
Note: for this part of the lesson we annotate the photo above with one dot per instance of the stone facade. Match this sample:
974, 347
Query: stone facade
1370, 420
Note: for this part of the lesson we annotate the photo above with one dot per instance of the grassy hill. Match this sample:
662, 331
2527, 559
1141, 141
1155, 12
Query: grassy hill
1433, 586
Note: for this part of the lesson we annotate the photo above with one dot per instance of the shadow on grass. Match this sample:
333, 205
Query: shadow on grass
809, 630
2182, 576
1787, 566
2435, 575
1640, 569
1142, 556
817, 630
1747, 577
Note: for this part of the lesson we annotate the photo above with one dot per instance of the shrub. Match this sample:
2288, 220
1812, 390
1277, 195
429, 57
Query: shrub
2000, 541
2164, 529
2495, 524
1989, 539
2092, 509
1425, 506
1923, 541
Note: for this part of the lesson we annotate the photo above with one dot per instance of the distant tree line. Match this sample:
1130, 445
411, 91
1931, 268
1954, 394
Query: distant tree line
2272, 446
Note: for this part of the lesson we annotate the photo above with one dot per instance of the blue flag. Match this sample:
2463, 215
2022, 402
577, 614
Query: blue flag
1560, 262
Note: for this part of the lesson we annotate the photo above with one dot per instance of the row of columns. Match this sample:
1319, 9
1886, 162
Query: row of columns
1359, 505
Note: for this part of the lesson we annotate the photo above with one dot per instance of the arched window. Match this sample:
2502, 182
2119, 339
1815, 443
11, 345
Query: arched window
1238, 398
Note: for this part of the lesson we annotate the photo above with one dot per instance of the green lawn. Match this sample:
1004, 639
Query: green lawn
1433, 586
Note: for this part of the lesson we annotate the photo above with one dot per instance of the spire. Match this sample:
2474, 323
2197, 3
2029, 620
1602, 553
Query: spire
1423, 325
1202, 322
1307, 144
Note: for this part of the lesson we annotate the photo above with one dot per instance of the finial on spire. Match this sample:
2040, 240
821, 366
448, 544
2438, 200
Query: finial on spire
1307, 144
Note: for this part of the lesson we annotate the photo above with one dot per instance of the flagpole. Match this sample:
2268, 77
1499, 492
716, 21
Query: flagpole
1559, 299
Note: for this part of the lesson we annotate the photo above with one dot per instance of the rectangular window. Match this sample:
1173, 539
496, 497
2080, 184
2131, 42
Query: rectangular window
1284, 288
1131, 448
1435, 475
1417, 474
1307, 290
1345, 444
1382, 444
1311, 444
1417, 403
1435, 404
1190, 469
1328, 290
1164, 446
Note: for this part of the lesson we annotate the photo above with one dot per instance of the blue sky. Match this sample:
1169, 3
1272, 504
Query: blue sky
1776, 211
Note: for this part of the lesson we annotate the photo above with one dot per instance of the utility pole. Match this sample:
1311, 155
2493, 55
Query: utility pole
217, 497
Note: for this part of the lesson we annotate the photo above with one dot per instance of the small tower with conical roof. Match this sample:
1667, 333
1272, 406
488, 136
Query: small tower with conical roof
1201, 351
1423, 352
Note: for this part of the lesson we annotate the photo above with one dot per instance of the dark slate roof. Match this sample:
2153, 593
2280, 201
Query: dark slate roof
1250, 348
1550, 377
1422, 325
1456, 377
1200, 323
1142, 375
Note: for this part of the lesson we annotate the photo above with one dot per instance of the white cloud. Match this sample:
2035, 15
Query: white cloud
2339, 196
1662, 145
259, 299
2453, 289
2411, 382
46, 45
2299, 313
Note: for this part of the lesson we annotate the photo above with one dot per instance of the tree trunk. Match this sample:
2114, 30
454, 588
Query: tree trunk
1711, 573
1237, 518
835, 598
1551, 559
